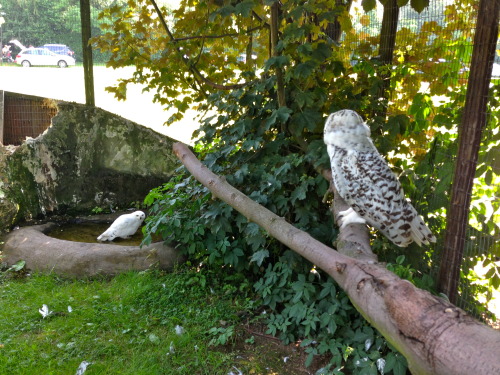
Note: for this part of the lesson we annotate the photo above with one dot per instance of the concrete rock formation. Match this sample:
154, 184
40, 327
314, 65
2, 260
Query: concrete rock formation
87, 158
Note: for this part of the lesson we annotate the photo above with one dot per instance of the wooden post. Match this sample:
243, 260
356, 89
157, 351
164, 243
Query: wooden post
88, 63
386, 50
388, 31
1, 116
470, 131
280, 84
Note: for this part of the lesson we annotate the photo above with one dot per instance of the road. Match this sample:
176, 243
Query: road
68, 84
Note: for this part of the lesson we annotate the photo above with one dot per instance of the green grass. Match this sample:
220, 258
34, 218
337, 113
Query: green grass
125, 325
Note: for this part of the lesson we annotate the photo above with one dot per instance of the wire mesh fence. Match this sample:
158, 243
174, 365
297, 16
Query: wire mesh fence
435, 46
432, 56
25, 116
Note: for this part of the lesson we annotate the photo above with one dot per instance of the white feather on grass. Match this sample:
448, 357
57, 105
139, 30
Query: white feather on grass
45, 311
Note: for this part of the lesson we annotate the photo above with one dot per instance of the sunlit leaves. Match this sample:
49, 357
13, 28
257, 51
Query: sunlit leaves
420, 109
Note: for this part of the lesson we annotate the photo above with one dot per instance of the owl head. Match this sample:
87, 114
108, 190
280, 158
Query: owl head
139, 215
347, 122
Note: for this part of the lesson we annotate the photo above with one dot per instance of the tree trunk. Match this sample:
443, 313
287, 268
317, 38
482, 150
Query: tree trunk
334, 29
88, 62
280, 85
386, 48
435, 336
470, 131
388, 31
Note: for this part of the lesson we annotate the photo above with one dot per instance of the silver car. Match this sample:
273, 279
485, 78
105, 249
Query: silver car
43, 57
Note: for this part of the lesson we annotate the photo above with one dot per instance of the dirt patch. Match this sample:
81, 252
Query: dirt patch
259, 353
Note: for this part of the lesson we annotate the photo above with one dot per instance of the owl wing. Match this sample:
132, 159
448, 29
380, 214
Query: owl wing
123, 226
367, 184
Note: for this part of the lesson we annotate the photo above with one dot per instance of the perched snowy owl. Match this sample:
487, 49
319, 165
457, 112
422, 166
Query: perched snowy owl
124, 226
365, 181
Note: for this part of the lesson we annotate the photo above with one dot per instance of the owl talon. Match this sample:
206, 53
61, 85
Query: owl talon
349, 216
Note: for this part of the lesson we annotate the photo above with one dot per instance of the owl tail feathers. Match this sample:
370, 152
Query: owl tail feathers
106, 237
420, 233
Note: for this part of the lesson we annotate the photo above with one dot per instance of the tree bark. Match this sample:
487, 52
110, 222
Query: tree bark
88, 62
388, 31
280, 85
435, 336
354, 239
334, 29
470, 131
387, 43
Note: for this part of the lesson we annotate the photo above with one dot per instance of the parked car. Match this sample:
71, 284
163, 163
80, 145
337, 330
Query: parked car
42, 56
60, 49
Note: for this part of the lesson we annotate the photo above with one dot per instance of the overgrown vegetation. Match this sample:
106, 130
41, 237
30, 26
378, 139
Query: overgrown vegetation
266, 139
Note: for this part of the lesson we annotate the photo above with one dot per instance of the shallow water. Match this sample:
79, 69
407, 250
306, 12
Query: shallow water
89, 231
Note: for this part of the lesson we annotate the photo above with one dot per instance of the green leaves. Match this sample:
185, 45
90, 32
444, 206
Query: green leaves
276, 62
278, 116
259, 256
396, 363
419, 5
368, 5
244, 8
272, 152
18, 266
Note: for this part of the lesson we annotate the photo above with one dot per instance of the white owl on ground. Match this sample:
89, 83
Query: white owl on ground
367, 184
124, 226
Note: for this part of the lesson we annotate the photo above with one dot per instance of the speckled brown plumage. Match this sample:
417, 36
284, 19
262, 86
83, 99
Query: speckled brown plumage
367, 184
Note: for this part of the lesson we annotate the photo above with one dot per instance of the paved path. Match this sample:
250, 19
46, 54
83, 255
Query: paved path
67, 84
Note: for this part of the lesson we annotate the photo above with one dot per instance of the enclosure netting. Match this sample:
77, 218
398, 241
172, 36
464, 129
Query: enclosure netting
437, 43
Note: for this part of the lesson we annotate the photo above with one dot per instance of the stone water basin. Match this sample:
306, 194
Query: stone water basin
87, 231
72, 250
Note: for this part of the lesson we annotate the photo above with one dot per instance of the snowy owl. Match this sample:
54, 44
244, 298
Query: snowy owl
367, 184
124, 226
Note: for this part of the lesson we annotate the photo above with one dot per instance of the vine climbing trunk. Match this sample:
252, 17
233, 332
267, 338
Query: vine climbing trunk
435, 336
470, 131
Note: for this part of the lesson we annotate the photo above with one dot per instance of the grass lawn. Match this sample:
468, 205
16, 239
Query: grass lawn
127, 325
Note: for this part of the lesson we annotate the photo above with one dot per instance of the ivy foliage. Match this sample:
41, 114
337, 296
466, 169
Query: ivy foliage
271, 147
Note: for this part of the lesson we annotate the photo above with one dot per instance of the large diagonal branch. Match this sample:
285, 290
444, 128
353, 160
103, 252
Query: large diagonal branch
354, 239
435, 336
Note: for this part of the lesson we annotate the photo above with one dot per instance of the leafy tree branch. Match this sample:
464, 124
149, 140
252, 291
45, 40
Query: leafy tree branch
196, 73
249, 31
